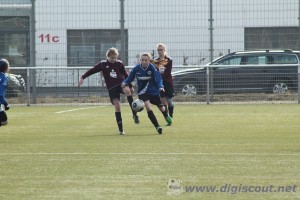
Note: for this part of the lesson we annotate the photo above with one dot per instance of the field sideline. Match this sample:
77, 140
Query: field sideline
76, 152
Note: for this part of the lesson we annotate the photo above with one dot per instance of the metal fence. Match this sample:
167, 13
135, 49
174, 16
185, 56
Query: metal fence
197, 84
69, 34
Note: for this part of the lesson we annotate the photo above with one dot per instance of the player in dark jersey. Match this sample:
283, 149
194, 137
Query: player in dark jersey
4, 68
149, 84
164, 63
114, 73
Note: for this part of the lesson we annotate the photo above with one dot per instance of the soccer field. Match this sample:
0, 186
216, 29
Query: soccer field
47, 153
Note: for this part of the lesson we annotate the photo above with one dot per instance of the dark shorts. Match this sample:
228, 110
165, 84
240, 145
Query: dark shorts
114, 93
155, 100
169, 90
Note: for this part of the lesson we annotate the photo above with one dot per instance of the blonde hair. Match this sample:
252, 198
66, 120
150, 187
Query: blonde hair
112, 51
162, 45
147, 54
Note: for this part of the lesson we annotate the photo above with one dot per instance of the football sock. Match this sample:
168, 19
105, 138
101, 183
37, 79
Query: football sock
152, 118
130, 100
166, 108
171, 106
171, 110
119, 121
3, 116
165, 113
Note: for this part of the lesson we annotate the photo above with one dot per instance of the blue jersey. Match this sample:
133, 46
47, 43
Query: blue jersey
148, 80
3, 87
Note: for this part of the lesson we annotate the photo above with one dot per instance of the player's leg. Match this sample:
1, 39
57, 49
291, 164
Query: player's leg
150, 113
114, 95
167, 98
170, 106
128, 94
118, 115
163, 97
164, 101
3, 118
156, 100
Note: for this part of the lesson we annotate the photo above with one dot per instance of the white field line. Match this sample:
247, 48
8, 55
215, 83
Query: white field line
122, 153
72, 110
182, 144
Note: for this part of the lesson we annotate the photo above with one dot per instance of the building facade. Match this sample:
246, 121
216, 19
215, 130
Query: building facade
78, 33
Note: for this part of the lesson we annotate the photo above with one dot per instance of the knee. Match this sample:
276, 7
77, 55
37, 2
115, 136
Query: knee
117, 108
170, 102
117, 105
127, 91
147, 106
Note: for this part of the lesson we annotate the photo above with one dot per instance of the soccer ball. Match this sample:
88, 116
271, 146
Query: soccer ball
138, 105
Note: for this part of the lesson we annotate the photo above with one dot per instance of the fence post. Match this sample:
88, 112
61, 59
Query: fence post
298, 84
211, 30
122, 28
78, 88
211, 49
207, 84
32, 49
28, 86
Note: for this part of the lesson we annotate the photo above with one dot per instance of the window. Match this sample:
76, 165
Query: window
14, 40
285, 59
256, 60
88, 47
82, 55
272, 38
231, 61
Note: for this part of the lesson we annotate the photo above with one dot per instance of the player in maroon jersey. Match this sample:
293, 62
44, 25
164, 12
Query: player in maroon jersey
114, 74
164, 63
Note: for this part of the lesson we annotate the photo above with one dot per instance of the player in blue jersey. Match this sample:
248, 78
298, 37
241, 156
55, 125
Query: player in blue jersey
4, 68
149, 83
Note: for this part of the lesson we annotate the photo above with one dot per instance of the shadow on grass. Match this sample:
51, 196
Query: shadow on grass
127, 135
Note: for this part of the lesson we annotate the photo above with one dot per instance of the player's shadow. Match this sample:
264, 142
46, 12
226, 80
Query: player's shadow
117, 135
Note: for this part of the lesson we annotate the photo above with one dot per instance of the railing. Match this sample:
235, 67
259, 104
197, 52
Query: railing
192, 84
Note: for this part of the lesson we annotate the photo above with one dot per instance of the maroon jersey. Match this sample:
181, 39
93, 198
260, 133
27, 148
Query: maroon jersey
164, 66
113, 73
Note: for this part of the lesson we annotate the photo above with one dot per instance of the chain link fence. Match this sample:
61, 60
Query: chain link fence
50, 43
227, 84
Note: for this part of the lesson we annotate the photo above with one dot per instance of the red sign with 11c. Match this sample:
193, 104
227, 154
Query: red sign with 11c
48, 38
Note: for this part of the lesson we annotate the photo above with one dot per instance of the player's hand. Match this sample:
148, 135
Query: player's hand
6, 107
80, 82
123, 85
161, 89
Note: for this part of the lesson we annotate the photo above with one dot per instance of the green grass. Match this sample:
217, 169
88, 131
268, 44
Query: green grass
79, 154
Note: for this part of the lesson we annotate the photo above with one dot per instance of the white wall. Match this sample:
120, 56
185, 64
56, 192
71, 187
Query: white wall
182, 25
